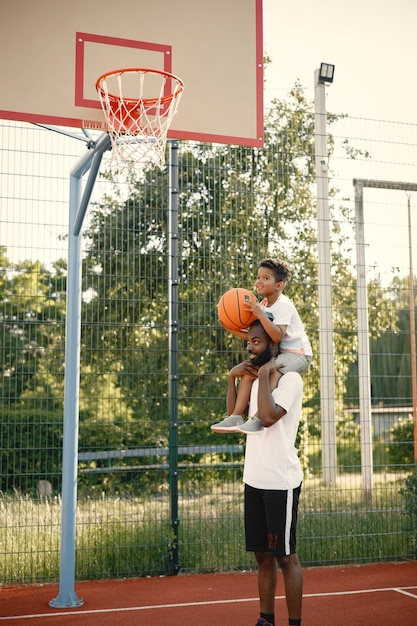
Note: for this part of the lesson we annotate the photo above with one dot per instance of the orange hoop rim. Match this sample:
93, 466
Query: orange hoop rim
136, 70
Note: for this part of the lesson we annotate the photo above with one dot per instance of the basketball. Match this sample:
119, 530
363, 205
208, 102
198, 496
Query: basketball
231, 309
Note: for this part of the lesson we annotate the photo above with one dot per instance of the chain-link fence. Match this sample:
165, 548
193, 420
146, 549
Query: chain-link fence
158, 492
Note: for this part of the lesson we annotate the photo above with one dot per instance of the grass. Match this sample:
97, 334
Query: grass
340, 524
132, 536
29, 539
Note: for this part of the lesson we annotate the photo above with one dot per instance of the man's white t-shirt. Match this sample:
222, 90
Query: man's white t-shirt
271, 459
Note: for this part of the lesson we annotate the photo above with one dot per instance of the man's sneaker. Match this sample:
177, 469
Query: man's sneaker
229, 424
253, 426
263, 622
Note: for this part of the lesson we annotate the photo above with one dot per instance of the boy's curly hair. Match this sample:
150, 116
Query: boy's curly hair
280, 268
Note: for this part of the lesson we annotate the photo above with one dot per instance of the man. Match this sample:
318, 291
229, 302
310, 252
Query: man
272, 474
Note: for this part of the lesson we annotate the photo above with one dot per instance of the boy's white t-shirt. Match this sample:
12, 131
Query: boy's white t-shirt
285, 313
271, 459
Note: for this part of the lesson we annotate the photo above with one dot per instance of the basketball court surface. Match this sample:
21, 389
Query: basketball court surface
383, 594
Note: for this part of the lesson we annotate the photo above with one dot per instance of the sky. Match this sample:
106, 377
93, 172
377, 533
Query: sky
373, 46
372, 43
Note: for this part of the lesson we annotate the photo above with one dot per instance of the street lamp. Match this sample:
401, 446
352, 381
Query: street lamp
326, 73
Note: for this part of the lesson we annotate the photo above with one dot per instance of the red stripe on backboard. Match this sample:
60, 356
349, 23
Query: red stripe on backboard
259, 75
82, 38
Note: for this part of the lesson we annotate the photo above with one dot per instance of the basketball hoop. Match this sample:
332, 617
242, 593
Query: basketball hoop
139, 105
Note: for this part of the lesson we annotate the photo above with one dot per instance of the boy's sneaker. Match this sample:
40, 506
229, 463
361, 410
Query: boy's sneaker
253, 426
230, 424
263, 622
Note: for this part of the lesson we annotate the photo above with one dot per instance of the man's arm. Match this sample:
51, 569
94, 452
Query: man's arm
242, 334
268, 411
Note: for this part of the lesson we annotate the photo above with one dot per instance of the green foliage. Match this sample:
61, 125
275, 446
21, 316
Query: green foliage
401, 447
31, 385
113, 549
347, 429
30, 539
31, 447
32, 315
390, 344
409, 491
236, 206
391, 368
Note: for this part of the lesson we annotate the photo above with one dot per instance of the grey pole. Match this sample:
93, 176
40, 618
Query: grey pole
66, 597
327, 387
364, 359
364, 364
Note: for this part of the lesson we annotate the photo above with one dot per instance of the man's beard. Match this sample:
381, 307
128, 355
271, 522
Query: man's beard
262, 358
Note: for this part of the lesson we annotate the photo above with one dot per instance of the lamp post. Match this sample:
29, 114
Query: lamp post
322, 77
326, 73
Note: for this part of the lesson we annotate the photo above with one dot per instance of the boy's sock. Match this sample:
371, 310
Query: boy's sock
294, 622
270, 617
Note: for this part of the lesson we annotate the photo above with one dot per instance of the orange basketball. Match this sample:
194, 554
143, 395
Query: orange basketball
231, 309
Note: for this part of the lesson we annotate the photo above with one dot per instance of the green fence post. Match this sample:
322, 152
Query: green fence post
173, 349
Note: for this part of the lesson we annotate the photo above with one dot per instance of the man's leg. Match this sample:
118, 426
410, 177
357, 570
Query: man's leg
267, 581
293, 582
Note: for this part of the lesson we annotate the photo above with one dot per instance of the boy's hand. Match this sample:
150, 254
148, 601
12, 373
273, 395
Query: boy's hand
244, 369
254, 307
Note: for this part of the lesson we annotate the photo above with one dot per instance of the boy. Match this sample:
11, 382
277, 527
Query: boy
285, 329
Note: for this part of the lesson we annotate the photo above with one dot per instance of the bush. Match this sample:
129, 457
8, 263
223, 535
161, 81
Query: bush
409, 491
401, 447
31, 447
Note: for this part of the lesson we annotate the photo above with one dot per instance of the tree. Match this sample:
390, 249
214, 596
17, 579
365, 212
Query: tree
391, 350
33, 314
237, 205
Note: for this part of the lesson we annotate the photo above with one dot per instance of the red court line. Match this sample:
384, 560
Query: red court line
383, 594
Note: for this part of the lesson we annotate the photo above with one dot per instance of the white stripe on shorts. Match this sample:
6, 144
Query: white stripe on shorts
288, 520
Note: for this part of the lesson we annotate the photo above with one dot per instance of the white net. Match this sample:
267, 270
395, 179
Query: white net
139, 105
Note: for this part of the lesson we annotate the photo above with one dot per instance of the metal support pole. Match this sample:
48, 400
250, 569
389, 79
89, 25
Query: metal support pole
79, 218
363, 325
412, 329
173, 348
364, 366
66, 597
327, 393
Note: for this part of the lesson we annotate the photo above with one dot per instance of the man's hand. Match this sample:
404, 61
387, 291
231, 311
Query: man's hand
268, 411
266, 368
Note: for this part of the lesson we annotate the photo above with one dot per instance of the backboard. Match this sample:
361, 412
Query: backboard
51, 54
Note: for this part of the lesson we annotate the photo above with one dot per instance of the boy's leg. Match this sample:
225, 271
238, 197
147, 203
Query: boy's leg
292, 362
243, 395
274, 377
234, 421
254, 425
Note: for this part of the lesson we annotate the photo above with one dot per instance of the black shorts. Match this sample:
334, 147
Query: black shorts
271, 520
